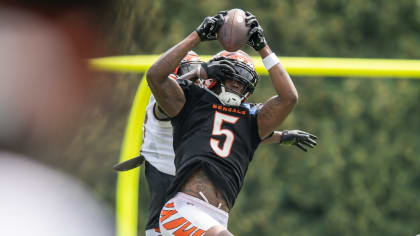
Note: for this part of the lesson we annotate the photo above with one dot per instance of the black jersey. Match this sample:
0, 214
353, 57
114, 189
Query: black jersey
219, 139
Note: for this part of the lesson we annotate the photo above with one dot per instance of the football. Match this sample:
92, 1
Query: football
233, 34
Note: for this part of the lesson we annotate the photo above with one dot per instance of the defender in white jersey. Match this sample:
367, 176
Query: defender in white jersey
158, 151
157, 140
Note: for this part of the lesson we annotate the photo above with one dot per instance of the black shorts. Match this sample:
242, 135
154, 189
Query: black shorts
158, 185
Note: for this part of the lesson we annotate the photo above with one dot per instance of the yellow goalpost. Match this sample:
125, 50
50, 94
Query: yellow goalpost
128, 182
126, 212
299, 66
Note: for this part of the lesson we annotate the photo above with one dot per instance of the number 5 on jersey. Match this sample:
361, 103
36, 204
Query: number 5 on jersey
219, 118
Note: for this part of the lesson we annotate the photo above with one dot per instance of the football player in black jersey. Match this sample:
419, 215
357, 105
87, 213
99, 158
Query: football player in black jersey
155, 148
215, 134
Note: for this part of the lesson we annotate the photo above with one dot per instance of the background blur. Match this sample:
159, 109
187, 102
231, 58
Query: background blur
363, 178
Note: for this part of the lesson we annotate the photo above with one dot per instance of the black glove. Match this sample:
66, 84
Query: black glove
219, 69
256, 37
298, 138
210, 26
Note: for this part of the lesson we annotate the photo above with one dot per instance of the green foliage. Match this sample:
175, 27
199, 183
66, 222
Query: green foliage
363, 177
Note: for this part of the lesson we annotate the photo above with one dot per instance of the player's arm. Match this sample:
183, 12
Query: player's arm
222, 68
274, 137
276, 109
298, 138
166, 91
158, 111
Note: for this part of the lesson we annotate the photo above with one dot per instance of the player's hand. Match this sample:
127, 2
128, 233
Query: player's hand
256, 37
298, 138
210, 26
219, 70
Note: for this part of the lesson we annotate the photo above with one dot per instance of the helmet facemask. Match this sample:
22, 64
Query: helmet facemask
189, 63
188, 66
246, 76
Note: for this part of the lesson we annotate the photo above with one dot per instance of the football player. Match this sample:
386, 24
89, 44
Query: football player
215, 135
158, 151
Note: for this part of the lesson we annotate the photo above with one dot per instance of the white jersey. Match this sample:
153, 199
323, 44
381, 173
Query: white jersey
157, 146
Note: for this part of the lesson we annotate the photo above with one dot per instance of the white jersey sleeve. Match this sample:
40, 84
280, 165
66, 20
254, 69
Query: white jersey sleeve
157, 146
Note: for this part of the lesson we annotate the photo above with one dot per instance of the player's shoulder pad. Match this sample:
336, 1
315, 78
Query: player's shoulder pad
252, 107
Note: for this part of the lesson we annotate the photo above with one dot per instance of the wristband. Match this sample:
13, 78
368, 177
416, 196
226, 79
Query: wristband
269, 136
270, 61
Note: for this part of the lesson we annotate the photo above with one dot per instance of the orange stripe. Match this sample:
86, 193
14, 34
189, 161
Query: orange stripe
199, 232
157, 230
181, 231
164, 214
170, 205
175, 223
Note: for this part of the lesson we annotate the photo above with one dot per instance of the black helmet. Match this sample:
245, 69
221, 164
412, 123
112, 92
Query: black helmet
244, 70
